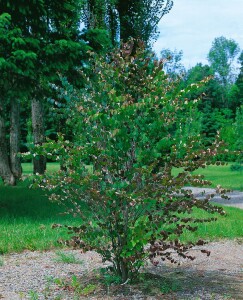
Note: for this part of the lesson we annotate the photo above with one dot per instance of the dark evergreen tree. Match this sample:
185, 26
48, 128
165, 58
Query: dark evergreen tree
38, 41
211, 97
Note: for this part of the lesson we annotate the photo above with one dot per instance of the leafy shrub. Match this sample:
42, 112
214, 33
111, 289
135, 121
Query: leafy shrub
129, 126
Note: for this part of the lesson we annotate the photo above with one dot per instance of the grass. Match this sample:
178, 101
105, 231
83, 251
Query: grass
229, 226
221, 175
26, 215
216, 174
67, 258
51, 167
1, 261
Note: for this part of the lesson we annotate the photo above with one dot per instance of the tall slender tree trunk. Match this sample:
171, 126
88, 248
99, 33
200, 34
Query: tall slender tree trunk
15, 161
38, 134
114, 25
5, 170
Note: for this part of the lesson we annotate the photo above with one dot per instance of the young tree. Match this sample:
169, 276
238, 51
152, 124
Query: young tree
126, 122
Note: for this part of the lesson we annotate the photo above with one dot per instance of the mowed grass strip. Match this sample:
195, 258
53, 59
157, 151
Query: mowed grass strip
50, 167
220, 175
229, 226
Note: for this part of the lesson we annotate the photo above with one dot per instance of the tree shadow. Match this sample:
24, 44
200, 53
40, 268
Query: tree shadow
196, 282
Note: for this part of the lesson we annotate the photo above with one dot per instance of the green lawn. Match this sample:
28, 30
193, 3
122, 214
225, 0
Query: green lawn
221, 175
51, 167
229, 226
26, 215
217, 174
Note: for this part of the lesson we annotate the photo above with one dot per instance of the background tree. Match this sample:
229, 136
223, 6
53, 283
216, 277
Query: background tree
17, 60
238, 131
210, 95
239, 83
42, 40
222, 58
5, 169
139, 19
126, 19
99, 16
172, 62
218, 104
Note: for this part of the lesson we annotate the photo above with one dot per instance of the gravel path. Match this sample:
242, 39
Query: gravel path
23, 274
219, 276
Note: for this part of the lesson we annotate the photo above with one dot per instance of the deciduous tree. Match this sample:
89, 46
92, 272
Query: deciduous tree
222, 56
136, 19
239, 81
139, 19
172, 62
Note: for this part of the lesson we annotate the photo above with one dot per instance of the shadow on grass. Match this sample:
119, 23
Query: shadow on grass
26, 219
21, 202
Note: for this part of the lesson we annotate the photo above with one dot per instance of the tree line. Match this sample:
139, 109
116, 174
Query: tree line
220, 108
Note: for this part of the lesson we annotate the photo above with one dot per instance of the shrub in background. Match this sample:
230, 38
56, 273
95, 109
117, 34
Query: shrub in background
117, 175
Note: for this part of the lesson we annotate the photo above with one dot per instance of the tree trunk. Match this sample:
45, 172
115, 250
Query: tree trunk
124, 271
39, 162
121, 268
5, 171
15, 139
